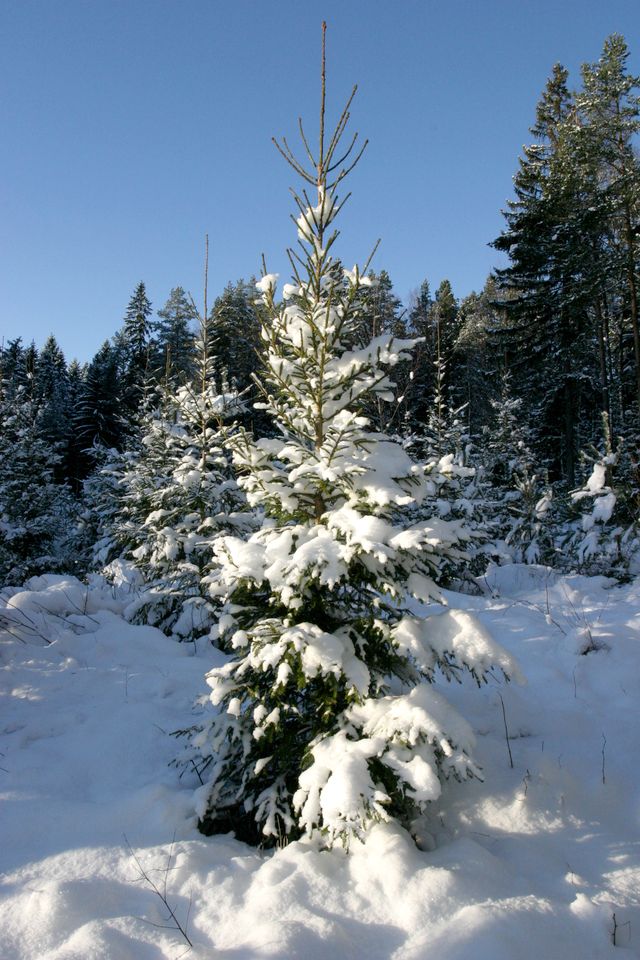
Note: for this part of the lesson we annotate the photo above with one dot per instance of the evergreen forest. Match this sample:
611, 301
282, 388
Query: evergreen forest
288, 562
531, 386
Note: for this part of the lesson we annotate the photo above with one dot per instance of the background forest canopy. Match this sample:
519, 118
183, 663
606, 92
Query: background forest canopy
531, 385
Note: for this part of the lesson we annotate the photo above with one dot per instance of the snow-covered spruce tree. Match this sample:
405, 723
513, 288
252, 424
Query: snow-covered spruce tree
326, 718
101, 498
444, 443
177, 494
605, 538
520, 510
173, 340
37, 515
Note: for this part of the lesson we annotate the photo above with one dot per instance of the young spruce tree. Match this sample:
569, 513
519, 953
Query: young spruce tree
176, 494
326, 716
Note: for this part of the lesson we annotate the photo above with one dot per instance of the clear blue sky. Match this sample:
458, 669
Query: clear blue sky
130, 128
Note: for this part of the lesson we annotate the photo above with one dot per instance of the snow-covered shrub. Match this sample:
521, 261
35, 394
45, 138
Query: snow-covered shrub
161, 504
606, 536
325, 716
177, 495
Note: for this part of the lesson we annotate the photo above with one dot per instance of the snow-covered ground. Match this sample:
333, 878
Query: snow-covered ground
532, 864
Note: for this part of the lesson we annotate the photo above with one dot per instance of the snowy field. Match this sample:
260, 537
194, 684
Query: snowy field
532, 864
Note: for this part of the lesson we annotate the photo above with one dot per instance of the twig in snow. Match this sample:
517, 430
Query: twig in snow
534, 606
162, 893
580, 618
604, 744
28, 624
506, 731
81, 610
618, 926
526, 780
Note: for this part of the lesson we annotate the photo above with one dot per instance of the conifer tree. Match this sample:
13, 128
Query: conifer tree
133, 347
476, 360
12, 367
235, 332
609, 109
459, 487
176, 494
100, 416
74, 454
519, 512
603, 536
445, 319
420, 388
549, 240
311, 735
52, 395
137, 328
436, 321
36, 513
102, 495
379, 311
173, 340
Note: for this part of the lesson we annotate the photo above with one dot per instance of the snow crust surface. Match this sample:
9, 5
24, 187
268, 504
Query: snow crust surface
533, 862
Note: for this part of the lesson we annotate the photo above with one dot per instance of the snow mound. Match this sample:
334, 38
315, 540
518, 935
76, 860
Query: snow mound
533, 862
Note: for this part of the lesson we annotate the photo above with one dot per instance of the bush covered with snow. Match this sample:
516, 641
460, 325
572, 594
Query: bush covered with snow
603, 535
162, 504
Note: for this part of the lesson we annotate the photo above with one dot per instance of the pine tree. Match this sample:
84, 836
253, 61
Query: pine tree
572, 240
445, 320
102, 495
476, 360
173, 340
605, 538
176, 494
457, 478
137, 328
609, 109
13, 367
30, 368
52, 395
309, 737
74, 455
235, 332
133, 348
379, 311
519, 513
420, 388
437, 322
36, 513
549, 238
99, 420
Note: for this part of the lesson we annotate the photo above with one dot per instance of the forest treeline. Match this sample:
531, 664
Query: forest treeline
532, 385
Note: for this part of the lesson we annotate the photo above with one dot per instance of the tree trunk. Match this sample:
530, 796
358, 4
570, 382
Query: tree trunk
633, 295
569, 433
